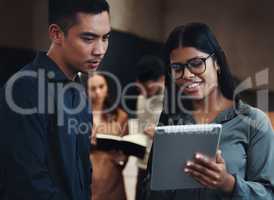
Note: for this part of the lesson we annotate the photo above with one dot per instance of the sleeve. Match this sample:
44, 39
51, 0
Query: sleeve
259, 182
25, 169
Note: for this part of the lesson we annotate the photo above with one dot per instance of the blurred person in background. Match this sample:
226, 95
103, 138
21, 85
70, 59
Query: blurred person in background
151, 81
107, 179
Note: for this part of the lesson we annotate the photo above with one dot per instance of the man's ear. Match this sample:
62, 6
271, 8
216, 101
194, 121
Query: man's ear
56, 34
162, 78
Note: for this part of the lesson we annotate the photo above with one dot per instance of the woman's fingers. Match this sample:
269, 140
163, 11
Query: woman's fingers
206, 162
202, 178
212, 175
219, 157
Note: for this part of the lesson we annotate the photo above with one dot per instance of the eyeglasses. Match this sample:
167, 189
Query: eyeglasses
196, 66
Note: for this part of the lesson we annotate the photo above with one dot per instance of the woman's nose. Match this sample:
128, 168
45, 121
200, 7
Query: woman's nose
188, 73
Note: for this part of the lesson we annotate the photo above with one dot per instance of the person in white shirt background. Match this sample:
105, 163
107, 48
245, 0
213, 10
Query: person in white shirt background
151, 81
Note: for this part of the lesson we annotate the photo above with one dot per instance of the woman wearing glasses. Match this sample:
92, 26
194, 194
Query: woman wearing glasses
205, 93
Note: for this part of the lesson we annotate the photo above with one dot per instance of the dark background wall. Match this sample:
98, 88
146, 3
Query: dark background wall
124, 52
13, 59
244, 28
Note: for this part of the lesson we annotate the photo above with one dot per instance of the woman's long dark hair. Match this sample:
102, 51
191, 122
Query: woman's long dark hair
199, 36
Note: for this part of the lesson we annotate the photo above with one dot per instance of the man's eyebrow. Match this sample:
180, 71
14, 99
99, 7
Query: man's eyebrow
90, 34
107, 34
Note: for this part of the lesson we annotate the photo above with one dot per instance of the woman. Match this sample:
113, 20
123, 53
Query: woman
107, 180
243, 167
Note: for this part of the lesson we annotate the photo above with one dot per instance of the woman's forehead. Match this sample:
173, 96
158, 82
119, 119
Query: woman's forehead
183, 54
96, 80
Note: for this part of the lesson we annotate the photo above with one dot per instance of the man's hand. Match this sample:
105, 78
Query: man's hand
210, 172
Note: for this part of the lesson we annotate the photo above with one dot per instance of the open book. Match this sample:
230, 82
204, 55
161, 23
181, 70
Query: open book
173, 146
134, 144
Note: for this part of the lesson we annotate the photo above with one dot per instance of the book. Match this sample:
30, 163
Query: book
174, 146
133, 144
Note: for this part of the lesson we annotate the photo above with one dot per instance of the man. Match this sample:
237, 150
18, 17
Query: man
45, 118
151, 82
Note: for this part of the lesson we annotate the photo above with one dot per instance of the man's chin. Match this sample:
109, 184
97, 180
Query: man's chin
89, 71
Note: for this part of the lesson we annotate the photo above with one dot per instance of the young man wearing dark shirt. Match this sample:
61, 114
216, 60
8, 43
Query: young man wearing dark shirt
44, 114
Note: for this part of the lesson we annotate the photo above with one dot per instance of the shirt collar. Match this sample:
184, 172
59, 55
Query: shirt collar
54, 73
239, 108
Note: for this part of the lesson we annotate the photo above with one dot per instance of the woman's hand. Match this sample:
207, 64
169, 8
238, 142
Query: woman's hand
210, 173
150, 131
119, 157
93, 139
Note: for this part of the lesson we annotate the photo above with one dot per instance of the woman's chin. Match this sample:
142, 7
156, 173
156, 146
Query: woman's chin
194, 95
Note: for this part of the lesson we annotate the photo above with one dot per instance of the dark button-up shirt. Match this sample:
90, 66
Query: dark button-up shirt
247, 144
45, 128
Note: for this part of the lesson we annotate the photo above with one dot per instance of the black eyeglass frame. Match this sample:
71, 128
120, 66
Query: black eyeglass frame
186, 65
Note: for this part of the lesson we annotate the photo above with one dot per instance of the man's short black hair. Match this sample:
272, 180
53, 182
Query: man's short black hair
64, 13
150, 68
